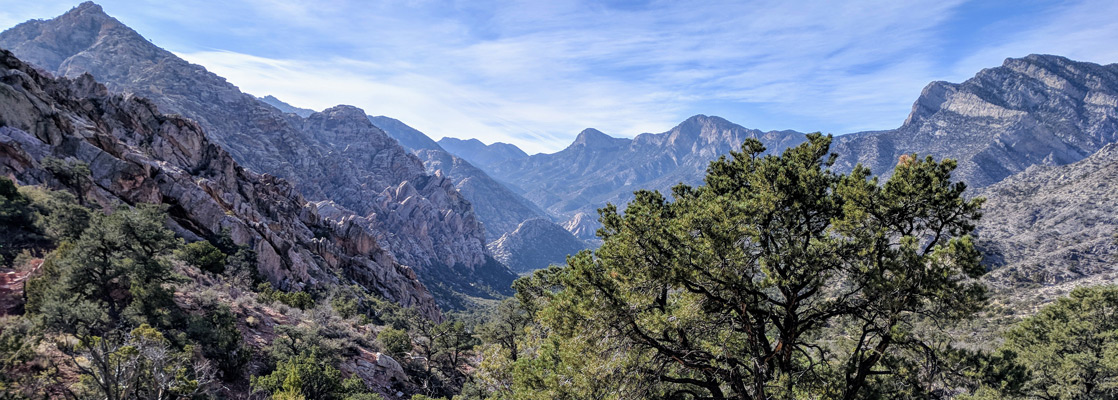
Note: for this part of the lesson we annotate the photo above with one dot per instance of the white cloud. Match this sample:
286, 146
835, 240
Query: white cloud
538, 75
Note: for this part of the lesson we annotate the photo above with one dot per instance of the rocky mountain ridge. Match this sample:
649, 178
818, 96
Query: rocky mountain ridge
420, 218
481, 154
1036, 110
136, 154
284, 107
500, 209
596, 168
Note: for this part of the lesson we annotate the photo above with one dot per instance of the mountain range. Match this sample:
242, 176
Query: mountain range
340, 194
500, 210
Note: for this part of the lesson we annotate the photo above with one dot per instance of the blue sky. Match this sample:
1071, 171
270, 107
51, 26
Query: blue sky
535, 73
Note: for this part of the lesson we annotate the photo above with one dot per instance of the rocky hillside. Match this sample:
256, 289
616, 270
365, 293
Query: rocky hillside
1039, 109
1054, 226
336, 156
501, 210
138, 155
481, 154
535, 244
597, 168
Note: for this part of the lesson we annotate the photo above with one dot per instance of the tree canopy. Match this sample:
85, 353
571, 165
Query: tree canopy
778, 278
1070, 348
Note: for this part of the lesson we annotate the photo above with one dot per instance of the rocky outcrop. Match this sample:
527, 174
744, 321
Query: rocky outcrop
139, 155
597, 169
535, 244
426, 221
336, 155
584, 226
481, 154
1040, 109
1051, 225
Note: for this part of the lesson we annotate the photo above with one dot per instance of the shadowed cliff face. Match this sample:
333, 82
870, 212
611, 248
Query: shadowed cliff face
336, 156
1035, 110
138, 155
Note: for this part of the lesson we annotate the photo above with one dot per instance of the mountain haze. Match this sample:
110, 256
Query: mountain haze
535, 244
597, 169
284, 107
481, 154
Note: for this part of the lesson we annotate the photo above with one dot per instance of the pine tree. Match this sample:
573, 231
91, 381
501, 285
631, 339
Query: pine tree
777, 279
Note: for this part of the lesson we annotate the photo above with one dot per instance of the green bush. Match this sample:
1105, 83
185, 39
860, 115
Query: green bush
346, 307
395, 342
1070, 347
303, 374
268, 294
60, 215
202, 255
17, 229
216, 331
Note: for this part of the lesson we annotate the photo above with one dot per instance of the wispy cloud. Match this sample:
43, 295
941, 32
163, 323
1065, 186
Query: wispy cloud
535, 73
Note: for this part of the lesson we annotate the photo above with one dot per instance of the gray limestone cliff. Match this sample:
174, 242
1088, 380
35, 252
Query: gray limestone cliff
500, 209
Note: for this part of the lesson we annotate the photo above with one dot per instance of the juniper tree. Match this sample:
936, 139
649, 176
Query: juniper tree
776, 279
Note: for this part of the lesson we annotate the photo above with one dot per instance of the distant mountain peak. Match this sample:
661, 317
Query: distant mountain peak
89, 5
346, 111
1038, 58
1037, 109
930, 101
594, 138
285, 107
89, 12
703, 118
80, 28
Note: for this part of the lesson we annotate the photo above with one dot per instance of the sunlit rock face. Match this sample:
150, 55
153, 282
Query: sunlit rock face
1053, 226
498, 208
